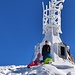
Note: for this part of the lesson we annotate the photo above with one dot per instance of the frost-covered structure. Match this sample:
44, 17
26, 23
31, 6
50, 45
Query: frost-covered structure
52, 30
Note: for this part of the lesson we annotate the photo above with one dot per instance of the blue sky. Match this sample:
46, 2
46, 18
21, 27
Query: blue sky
21, 29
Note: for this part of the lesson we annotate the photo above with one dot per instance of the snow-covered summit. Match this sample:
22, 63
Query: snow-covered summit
63, 63
56, 68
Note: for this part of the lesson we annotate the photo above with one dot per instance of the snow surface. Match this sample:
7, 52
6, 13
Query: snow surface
56, 68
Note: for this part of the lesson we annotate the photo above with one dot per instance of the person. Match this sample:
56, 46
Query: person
45, 50
48, 59
36, 62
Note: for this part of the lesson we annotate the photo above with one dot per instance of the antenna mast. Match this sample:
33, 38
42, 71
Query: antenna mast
52, 16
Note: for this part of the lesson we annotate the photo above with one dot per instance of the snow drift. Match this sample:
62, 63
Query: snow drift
56, 68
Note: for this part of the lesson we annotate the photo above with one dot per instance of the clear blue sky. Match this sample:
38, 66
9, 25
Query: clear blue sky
21, 29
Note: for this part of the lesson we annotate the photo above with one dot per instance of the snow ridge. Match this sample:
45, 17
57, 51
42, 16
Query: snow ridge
56, 68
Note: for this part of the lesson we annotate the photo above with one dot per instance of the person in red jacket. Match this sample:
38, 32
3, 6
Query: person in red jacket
36, 62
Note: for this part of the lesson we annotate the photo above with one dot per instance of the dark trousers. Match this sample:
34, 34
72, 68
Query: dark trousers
44, 57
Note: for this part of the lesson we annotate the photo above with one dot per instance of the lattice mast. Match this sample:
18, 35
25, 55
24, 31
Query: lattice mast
52, 19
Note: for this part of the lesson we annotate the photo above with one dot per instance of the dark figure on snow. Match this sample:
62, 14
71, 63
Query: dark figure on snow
45, 50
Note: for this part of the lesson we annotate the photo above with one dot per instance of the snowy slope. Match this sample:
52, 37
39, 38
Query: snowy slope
56, 68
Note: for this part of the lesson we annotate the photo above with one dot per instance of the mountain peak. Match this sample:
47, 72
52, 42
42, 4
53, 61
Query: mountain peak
56, 68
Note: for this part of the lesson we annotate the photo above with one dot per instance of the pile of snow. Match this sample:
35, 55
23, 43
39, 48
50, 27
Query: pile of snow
56, 68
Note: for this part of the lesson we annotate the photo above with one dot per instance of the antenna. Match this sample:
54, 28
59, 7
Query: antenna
52, 16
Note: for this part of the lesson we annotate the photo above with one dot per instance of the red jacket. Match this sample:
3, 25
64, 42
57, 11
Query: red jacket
35, 63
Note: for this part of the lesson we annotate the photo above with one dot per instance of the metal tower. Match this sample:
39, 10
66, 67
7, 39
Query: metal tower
52, 30
52, 20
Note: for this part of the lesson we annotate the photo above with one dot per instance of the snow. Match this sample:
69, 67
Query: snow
59, 66
56, 68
